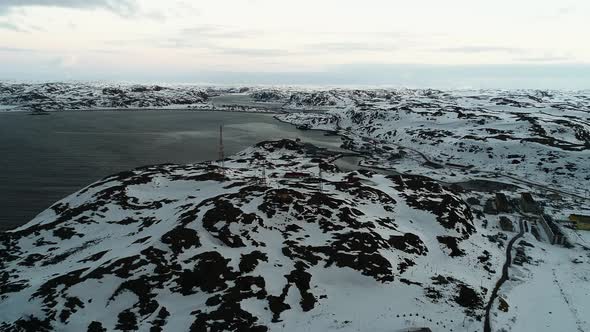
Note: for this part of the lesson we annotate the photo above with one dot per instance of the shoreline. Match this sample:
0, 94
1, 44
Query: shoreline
140, 110
171, 120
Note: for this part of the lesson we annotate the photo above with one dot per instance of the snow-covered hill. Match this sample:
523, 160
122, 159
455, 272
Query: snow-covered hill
537, 136
179, 247
267, 245
281, 239
70, 96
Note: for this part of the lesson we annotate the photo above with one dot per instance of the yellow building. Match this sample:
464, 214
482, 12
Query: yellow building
581, 221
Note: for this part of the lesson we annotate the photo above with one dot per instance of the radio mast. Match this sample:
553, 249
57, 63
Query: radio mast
221, 153
320, 179
263, 179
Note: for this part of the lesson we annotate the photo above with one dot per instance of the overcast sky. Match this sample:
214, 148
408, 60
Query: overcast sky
453, 43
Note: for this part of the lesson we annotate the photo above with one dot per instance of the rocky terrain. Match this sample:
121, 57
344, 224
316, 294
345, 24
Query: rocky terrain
263, 244
45, 97
534, 136
281, 237
192, 247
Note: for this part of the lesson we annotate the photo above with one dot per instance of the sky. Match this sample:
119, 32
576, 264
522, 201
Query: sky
421, 43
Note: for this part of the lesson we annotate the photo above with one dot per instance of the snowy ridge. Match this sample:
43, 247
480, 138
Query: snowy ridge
74, 96
537, 136
188, 247
192, 247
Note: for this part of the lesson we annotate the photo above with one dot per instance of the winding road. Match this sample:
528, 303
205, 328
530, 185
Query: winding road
495, 174
487, 327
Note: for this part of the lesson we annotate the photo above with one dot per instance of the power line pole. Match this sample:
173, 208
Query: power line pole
263, 179
321, 181
221, 152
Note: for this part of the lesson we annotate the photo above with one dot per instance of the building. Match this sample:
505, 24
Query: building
502, 204
506, 224
528, 204
581, 221
489, 207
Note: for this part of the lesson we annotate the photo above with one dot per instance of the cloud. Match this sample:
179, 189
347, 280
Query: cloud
197, 37
548, 58
480, 49
7, 25
122, 7
349, 47
104, 51
10, 26
213, 39
16, 49
216, 32
173, 42
255, 52
520, 55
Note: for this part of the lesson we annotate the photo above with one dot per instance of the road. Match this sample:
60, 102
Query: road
495, 174
487, 327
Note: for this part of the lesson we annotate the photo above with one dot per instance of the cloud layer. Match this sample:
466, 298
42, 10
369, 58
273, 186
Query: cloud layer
155, 38
118, 6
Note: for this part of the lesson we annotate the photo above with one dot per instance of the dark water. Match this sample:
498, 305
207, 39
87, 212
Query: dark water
45, 158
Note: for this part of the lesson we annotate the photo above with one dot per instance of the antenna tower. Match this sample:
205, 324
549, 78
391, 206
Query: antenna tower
263, 179
321, 181
221, 153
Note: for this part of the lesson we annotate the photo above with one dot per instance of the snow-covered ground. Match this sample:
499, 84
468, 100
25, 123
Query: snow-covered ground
550, 294
537, 141
536, 136
262, 245
86, 96
273, 243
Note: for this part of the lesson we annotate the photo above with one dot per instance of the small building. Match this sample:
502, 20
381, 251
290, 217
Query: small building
490, 207
528, 204
580, 221
506, 224
502, 204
